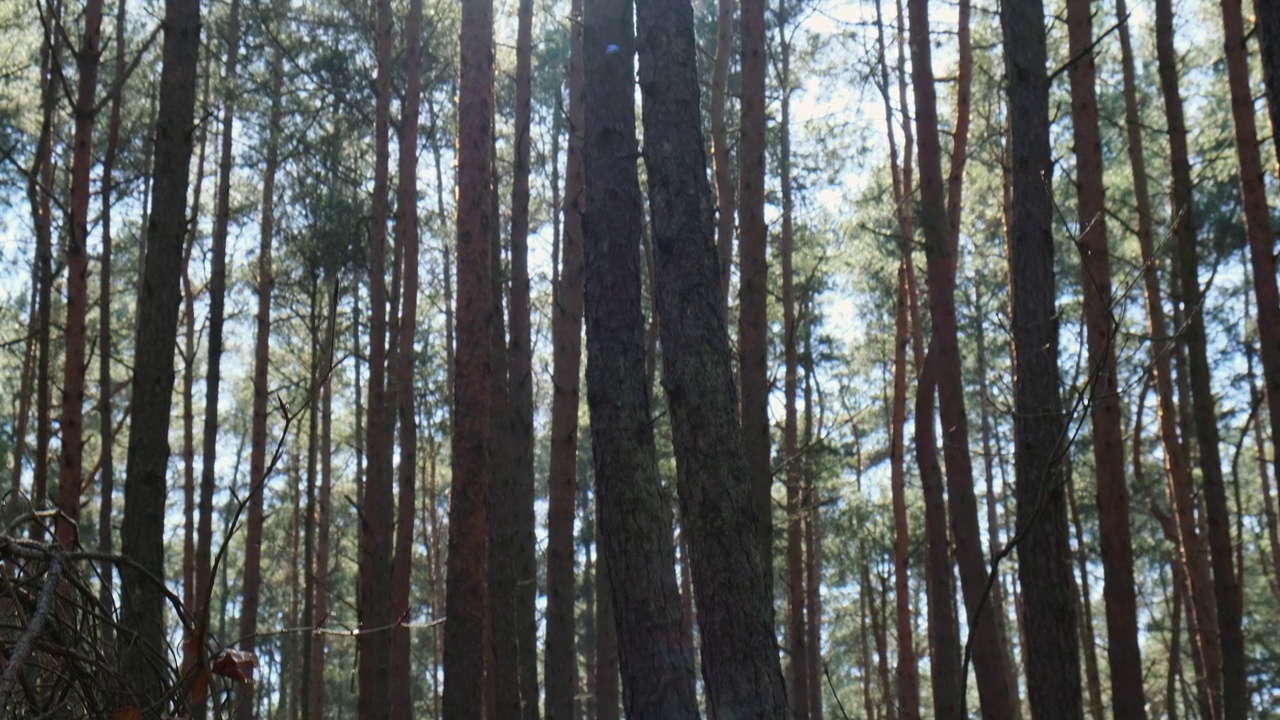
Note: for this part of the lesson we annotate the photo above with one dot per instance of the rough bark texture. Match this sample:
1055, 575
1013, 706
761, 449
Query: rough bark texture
1104, 404
106, 460
521, 383
735, 605
407, 244
607, 695
726, 200
1200, 608
997, 686
71, 469
561, 664
797, 637
1257, 224
634, 512
40, 195
261, 361
753, 323
473, 375
1267, 23
142, 528
1052, 660
907, 671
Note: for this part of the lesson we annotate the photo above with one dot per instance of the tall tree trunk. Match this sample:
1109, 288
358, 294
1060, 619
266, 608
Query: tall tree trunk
13, 506
566, 330
1201, 610
40, 194
1104, 404
726, 201
880, 633
106, 545
1093, 682
907, 671
142, 528
465, 588
188, 352
797, 636
989, 454
315, 685
1051, 655
813, 526
521, 381
753, 322
866, 669
1258, 230
735, 604
1267, 23
407, 243
634, 512
71, 468
997, 686
261, 363
377, 509
217, 305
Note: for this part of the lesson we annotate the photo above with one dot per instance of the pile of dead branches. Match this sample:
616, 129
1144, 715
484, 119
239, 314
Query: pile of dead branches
59, 635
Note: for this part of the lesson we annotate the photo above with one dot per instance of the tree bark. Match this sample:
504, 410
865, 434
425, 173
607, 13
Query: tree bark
721, 163
40, 194
1100, 330
1258, 230
521, 381
377, 509
1200, 609
735, 604
71, 466
142, 529
261, 365
607, 694
797, 636
753, 323
106, 461
465, 584
1093, 682
407, 243
1051, 656
561, 666
634, 512
315, 685
1267, 24
939, 218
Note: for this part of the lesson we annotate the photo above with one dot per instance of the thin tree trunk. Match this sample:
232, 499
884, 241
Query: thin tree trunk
71, 468
521, 381
634, 512
107, 446
1258, 230
1093, 683
566, 330
866, 669
1201, 610
467, 569
315, 685
142, 529
1052, 647
377, 510
753, 280
879, 619
189, 292
813, 528
940, 223
797, 636
1175, 655
261, 363
401, 684
735, 604
39, 192
217, 305
907, 671
21, 418
720, 161
1100, 329
589, 640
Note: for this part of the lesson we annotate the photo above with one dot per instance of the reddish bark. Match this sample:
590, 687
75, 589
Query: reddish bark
753, 279
566, 330
261, 366
1258, 230
1108, 443
401, 684
71, 470
473, 374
